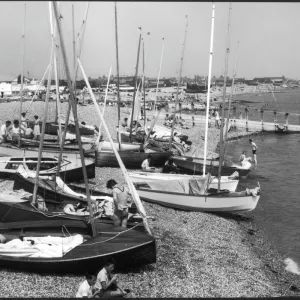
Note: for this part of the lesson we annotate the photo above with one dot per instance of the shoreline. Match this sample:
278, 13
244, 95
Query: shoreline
198, 254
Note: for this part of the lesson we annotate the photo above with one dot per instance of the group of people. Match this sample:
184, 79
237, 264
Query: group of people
244, 160
169, 120
104, 285
169, 166
13, 132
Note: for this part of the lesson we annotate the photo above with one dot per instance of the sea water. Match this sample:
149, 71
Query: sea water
278, 170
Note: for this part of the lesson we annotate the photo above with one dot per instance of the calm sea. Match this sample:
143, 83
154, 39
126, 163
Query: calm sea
278, 211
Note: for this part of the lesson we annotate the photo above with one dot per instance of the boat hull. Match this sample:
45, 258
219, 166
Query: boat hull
124, 146
139, 177
131, 159
195, 166
71, 170
218, 203
128, 248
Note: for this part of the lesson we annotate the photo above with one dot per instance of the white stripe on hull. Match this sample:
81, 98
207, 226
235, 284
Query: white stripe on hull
124, 146
226, 184
200, 203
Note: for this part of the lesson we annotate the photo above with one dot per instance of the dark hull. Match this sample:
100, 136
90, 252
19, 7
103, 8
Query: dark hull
52, 127
196, 167
74, 174
131, 159
129, 249
195, 88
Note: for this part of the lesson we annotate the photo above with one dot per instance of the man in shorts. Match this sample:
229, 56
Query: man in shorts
121, 202
254, 151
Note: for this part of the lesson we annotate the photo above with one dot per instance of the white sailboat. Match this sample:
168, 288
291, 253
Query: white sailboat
190, 192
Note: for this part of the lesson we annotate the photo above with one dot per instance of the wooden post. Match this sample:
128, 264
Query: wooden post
286, 121
262, 119
246, 115
234, 116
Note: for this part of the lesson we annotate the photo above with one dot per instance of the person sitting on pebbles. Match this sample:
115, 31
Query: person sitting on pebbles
146, 165
85, 288
106, 285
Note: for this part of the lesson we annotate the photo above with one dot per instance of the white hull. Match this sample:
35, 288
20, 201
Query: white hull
231, 202
226, 184
124, 146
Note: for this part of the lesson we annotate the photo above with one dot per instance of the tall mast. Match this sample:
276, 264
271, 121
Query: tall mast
135, 82
118, 74
144, 93
230, 100
224, 96
36, 181
74, 41
208, 84
53, 34
179, 79
22, 68
68, 75
74, 91
161, 58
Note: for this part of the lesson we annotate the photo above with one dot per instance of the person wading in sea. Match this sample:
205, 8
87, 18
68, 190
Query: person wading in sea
254, 151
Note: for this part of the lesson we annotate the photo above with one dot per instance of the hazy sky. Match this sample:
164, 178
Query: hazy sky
268, 34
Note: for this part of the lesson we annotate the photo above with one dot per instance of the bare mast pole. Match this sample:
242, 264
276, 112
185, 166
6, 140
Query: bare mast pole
230, 100
22, 69
74, 41
161, 58
68, 75
208, 85
224, 96
179, 79
135, 82
74, 90
118, 73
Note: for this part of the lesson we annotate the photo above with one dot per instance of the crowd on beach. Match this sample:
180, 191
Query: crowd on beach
13, 131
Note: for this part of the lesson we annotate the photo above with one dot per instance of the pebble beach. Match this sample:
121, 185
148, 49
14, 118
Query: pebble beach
198, 254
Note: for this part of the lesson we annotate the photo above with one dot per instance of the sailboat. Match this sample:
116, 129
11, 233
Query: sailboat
192, 193
71, 246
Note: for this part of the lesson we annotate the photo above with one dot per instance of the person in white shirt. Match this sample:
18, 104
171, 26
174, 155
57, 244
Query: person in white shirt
5, 131
85, 288
24, 120
16, 137
217, 119
146, 164
106, 284
29, 132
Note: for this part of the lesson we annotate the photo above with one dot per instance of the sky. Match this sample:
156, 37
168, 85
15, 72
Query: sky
268, 35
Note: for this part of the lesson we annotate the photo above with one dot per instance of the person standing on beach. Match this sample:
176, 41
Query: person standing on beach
122, 202
254, 150
217, 119
36, 129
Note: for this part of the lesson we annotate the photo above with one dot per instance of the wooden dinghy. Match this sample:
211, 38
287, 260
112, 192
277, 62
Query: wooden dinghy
145, 177
52, 128
103, 145
70, 168
15, 206
193, 165
175, 196
128, 247
131, 159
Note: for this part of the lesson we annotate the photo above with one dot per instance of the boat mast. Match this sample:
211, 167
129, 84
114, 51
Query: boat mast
118, 73
36, 181
179, 79
144, 92
230, 100
74, 91
223, 101
208, 85
68, 75
56, 53
74, 41
135, 82
22, 69
161, 58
